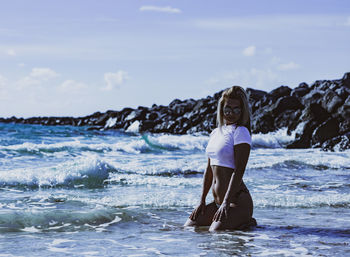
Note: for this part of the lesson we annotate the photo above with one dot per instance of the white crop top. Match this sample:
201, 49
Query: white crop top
221, 144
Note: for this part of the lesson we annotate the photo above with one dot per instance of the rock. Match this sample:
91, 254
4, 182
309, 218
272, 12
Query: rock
339, 143
286, 103
289, 119
101, 121
344, 126
314, 112
263, 123
301, 90
331, 101
152, 116
343, 92
147, 125
314, 96
304, 140
325, 131
255, 94
344, 110
346, 80
280, 92
318, 114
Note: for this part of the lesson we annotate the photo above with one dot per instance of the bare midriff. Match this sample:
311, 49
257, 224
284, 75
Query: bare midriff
221, 181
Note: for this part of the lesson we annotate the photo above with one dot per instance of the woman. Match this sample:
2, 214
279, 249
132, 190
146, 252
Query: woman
228, 152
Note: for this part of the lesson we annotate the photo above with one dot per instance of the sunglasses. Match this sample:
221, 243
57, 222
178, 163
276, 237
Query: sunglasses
229, 111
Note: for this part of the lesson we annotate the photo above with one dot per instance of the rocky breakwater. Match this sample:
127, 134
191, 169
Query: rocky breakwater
318, 115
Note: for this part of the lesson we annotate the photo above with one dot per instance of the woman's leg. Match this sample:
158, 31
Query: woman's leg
238, 216
204, 219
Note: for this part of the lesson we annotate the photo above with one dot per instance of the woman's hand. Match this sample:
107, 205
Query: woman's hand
199, 210
222, 213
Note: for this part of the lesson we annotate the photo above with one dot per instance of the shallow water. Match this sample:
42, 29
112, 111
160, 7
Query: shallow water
69, 191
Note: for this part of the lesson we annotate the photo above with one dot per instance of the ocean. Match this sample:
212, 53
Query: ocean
67, 191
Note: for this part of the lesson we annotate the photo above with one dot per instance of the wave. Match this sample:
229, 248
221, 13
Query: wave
277, 139
88, 172
32, 220
136, 144
128, 144
92, 172
298, 159
288, 200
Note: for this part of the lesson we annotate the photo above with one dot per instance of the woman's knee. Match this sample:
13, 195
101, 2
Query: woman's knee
190, 223
216, 225
202, 219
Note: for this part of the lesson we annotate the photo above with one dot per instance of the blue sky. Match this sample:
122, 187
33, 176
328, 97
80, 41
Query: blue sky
77, 57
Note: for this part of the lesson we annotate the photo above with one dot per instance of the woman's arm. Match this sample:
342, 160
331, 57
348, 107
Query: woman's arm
207, 181
241, 155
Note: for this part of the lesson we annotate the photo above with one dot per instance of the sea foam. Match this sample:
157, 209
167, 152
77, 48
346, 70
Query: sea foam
83, 172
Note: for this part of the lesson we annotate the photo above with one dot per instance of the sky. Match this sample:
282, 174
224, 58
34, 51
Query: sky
73, 58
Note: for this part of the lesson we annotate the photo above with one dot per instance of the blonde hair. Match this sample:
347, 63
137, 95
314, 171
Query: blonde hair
235, 92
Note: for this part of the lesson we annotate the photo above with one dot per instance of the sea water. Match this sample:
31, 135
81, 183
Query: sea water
69, 191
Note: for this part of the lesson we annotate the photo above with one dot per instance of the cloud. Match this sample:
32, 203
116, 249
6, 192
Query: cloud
288, 66
166, 9
71, 86
249, 51
36, 77
11, 52
43, 73
264, 79
114, 80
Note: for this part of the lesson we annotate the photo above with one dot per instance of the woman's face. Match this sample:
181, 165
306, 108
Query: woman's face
232, 111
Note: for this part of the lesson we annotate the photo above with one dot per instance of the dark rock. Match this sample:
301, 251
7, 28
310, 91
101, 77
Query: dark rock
321, 85
344, 126
304, 139
314, 96
314, 112
101, 121
339, 143
301, 90
331, 101
346, 80
325, 131
280, 92
218, 95
152, 116
289, 119
286, 103
343, 92
344, 110
255, 94
147, 125
263, 123
320, 113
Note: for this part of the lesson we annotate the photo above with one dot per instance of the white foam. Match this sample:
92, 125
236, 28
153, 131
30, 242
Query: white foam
111, 122
134, 127
291, 199
314, 158
276, 139
31, 229
131, 116
60, 241
183, 142
126, 144
62, 174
